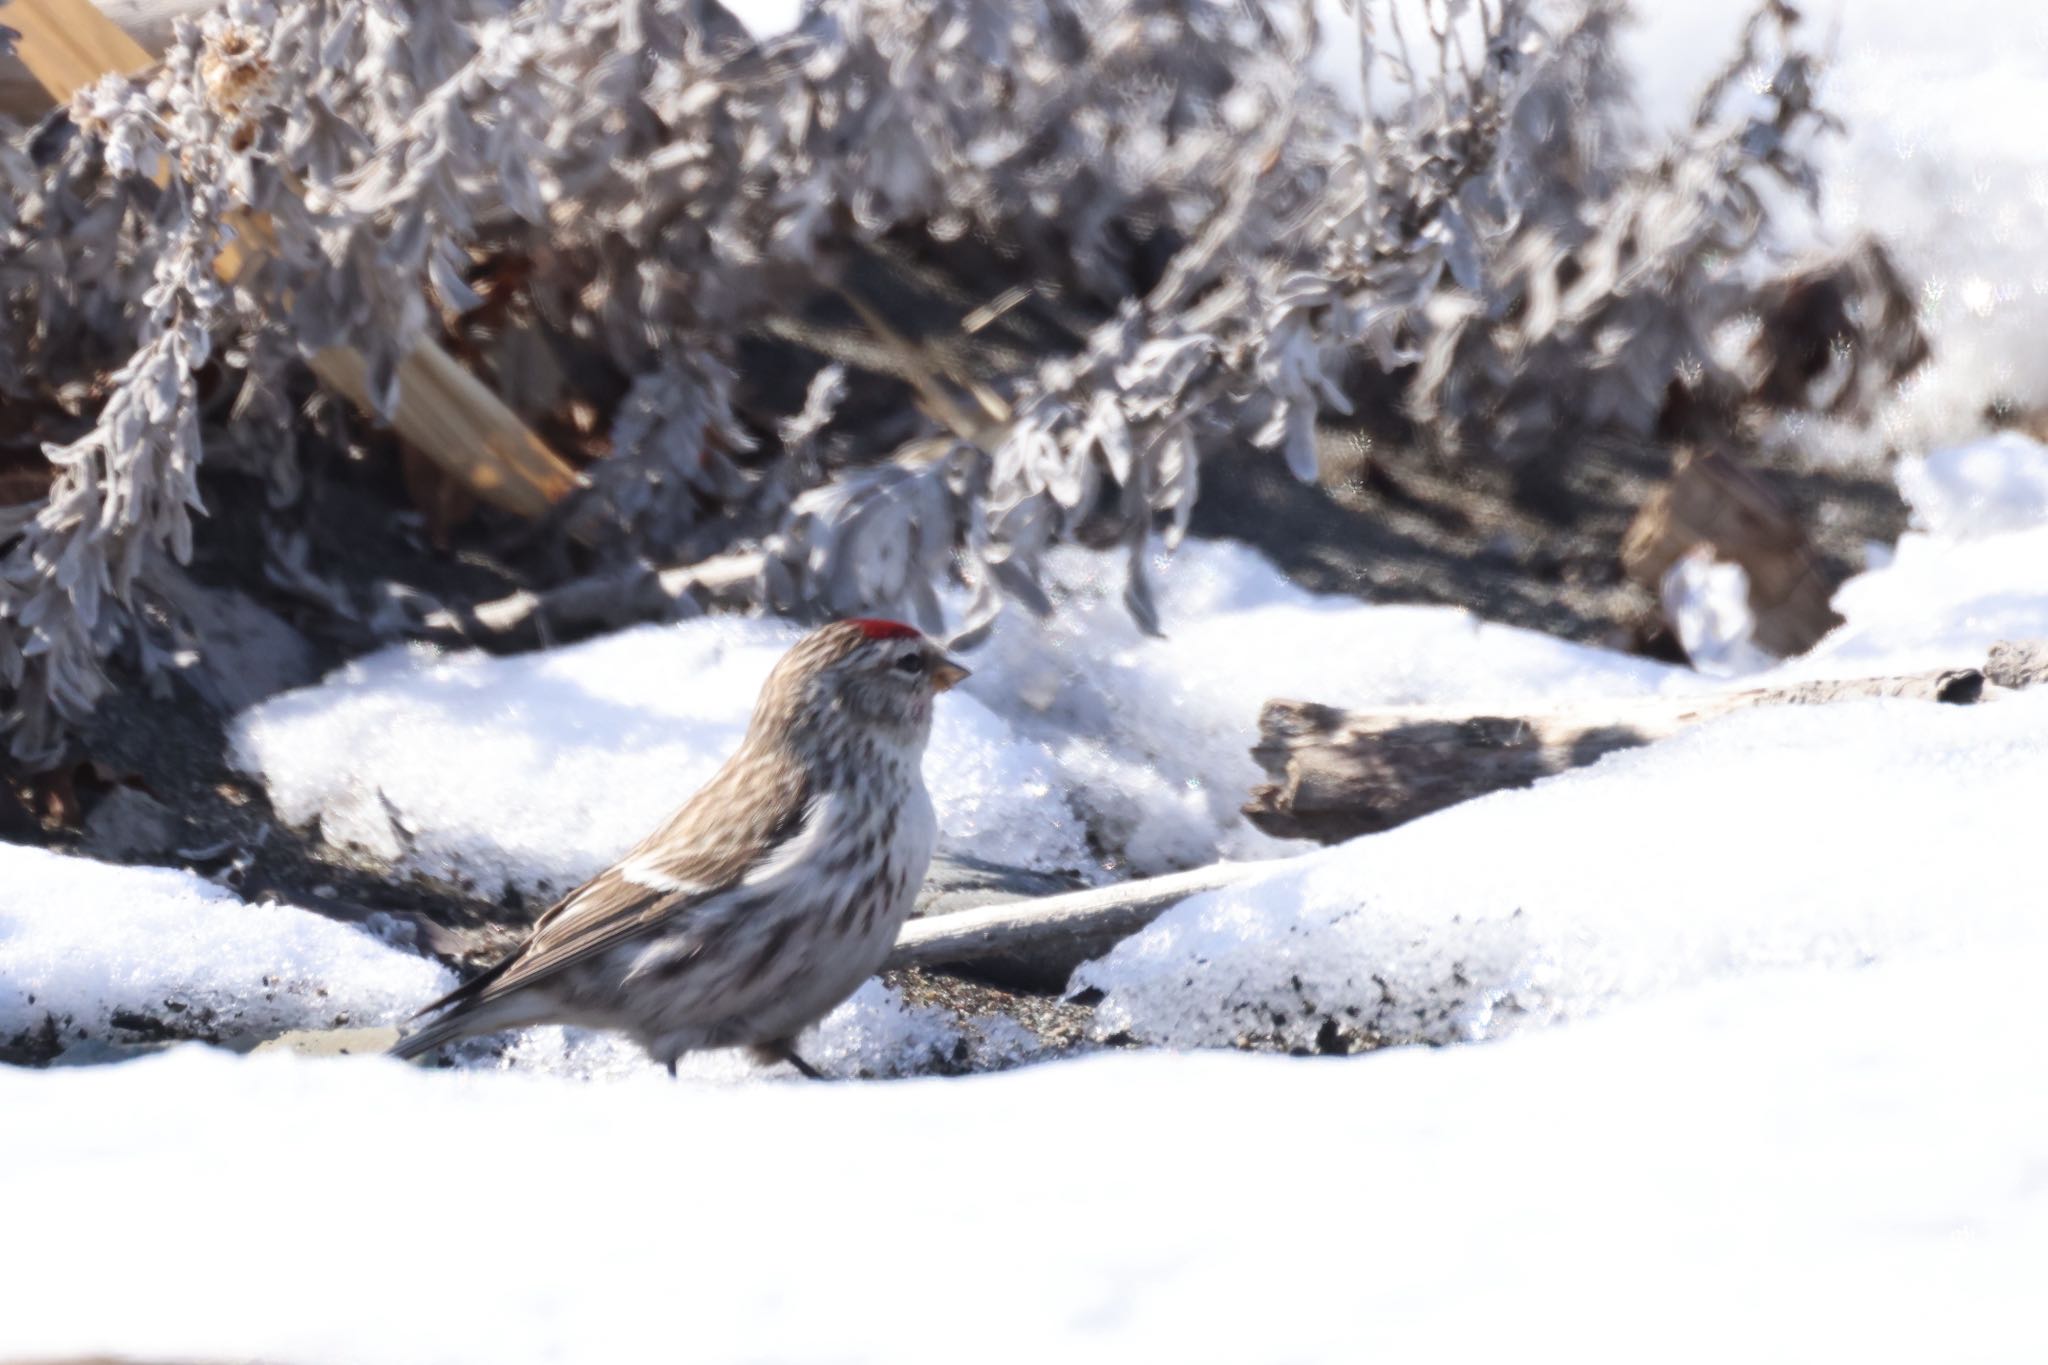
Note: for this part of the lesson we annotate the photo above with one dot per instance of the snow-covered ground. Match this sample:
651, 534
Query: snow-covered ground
1717, 853
1786, 1107
1853, 833
1078, 742
1804, 1166
1761, 1077
94, 952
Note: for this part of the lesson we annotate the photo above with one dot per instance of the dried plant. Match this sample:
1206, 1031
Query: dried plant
595, 199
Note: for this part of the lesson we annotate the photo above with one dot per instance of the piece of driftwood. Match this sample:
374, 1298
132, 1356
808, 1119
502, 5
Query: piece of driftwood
1714, 502
1056, 933
82, 50
608, 601
1338, 774
2017, 663
444, 411
956, 883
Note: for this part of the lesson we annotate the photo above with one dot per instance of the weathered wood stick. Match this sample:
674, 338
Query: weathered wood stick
66, 45
1075, 926
2017, 663
1338, 774
443, 410
609, 601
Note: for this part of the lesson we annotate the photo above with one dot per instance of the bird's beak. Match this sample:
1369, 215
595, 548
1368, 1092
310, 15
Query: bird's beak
948, 675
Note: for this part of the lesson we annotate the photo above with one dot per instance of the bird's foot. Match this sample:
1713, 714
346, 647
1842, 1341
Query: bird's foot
785, 1051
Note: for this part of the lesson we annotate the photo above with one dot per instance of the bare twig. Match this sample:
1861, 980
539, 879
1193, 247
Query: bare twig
608, 601
1076, 926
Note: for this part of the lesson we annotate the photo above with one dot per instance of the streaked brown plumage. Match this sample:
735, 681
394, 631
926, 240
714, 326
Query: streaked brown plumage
770, 895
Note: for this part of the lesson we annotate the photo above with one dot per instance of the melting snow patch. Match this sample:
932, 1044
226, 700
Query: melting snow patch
1075, 737
1968, 579
1786, 836
1153, 737
90, 950
875, 1034
1707, 601
537, 770
1982, 488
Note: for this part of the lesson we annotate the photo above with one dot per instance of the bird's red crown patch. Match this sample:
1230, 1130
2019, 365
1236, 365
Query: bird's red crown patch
876, 629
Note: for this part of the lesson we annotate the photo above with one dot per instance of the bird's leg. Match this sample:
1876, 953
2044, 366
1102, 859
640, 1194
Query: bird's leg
671, 1068
783, 1050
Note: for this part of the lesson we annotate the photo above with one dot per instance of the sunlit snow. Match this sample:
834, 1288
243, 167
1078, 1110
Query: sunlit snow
1743, 1054
92, 951
1804, 1166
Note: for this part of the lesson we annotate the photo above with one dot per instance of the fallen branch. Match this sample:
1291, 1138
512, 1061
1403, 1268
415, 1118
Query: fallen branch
2017, 663
1055, 932
1338, 774
602, 602
146, 23
1714, 502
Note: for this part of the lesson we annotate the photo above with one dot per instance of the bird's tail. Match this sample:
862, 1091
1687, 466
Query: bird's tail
457, 1016
447, 1029
468, 1017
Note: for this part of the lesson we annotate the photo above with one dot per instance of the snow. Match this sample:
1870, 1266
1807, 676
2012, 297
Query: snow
92, 953
1791, 958
536, 771
1841, 834
84, 943
877, 1034
768, 18
1707, 602
1966, 578
1152, 737
1808, 1165
1744, 1054
1978, 489
1746, 1018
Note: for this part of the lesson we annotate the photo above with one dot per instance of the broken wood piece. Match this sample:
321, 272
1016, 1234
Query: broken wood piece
608, 601
1338, 774
1713, 501
1065, 930
2014, 664
66, 45
145, 23
454, 419
957, 882
443, 410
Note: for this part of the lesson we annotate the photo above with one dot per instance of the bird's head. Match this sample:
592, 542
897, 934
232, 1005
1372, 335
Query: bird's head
859, 677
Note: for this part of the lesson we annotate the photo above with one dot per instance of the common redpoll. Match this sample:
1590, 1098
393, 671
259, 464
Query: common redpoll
770, 896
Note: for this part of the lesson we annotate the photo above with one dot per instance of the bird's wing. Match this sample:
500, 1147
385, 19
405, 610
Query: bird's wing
742, 818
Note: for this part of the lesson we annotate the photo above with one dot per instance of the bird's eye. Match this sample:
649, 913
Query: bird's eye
910, 663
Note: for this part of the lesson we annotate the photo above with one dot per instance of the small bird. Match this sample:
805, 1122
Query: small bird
770, 896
